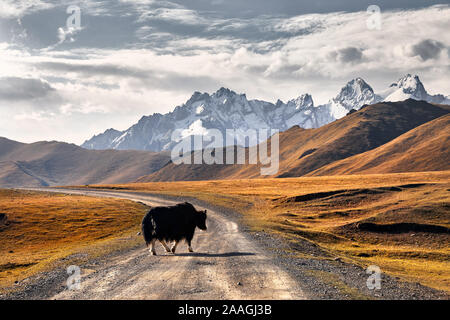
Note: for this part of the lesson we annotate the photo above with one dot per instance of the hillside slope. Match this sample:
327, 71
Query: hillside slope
56, 163
304, 151
425, 148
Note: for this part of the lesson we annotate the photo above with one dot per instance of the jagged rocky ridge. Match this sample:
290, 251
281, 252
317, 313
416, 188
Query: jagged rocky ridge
226, 109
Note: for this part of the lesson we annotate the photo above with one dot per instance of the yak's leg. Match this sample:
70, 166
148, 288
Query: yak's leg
174, 248
153, 250
189, 246
165, 245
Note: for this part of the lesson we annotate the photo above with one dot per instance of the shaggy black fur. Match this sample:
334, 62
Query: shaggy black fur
173, 223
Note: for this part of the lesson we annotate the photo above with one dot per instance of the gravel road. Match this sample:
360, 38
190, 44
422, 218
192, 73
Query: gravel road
229, 262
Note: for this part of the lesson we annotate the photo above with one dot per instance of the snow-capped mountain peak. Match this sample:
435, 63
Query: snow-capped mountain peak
224, 92
304, 101
102, 139
355, 94
410, 87
407, 87
409, 83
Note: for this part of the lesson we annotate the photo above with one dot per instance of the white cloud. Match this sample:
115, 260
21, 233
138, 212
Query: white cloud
66, 34
178, 15
20, 8
20, 89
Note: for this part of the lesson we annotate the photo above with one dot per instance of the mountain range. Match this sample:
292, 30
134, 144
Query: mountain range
358, 131
385, 137
380, 138
225, 109
50, 163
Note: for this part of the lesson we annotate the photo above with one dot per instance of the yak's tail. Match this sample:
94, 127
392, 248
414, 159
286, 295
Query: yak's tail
147, 231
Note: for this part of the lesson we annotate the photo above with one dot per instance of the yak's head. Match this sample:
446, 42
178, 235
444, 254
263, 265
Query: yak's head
201, 220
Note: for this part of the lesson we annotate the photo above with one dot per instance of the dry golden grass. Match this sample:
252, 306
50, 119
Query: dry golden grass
332, 221
424, 148
44, 227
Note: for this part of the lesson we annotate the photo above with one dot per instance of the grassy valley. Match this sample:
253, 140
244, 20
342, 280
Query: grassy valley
399, 222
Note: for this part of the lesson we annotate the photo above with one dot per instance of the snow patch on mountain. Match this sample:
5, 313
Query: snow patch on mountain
195, 129
200, 110
105, 138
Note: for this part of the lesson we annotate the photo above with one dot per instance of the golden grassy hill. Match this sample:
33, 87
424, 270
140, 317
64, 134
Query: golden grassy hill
425, 148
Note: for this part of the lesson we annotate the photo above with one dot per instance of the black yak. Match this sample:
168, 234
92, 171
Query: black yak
173, 223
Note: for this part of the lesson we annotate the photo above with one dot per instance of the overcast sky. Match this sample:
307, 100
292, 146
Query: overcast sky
136, 57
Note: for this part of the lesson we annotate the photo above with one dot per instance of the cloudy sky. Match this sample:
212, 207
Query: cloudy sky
131, 58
